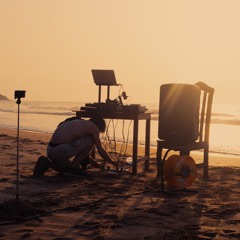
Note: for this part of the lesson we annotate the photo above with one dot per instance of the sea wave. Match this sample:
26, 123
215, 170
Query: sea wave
45, 116
39, 113
228, 116
215, 119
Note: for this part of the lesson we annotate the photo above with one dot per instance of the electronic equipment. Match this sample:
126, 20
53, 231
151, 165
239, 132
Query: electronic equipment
109, 106
114, 106
107, 78
178, 112
104, 77
134, 108
19, 94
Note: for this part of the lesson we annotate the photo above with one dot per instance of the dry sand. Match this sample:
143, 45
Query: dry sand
113, 206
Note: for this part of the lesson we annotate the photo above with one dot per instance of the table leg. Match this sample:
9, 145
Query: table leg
135, 146
147, 144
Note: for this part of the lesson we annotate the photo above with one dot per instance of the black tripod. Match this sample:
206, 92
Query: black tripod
18, 95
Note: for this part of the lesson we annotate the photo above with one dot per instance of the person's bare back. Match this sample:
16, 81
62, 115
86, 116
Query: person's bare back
68, 132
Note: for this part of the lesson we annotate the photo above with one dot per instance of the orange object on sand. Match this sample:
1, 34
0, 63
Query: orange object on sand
180, 171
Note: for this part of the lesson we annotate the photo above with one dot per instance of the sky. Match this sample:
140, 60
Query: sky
48, 47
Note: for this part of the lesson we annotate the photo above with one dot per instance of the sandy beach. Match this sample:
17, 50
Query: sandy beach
106, 206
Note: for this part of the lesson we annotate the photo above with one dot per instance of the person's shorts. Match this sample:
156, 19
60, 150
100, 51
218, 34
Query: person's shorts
64, 152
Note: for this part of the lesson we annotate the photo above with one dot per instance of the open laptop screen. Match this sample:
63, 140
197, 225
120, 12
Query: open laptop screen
104, 77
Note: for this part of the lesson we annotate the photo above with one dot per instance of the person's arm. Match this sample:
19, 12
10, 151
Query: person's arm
95, 164
103, 153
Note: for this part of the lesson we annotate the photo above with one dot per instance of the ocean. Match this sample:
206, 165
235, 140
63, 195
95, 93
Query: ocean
41, 116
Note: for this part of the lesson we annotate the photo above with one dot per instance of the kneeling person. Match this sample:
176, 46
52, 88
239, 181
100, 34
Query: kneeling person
71, 145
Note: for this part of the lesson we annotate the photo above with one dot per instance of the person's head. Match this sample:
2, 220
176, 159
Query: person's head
99, 122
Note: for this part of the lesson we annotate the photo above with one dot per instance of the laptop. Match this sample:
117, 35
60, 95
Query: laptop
104, 77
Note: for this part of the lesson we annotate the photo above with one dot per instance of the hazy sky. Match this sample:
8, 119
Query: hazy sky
48, 47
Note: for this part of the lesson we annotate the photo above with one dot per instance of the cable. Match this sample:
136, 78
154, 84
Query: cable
110, 142
124, 145
105, 136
